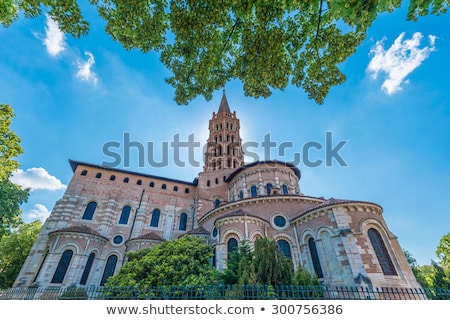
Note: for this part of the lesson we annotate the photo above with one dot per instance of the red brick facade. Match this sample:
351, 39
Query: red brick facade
107, 212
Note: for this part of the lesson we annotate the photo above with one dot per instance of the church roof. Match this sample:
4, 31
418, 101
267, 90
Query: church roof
268, 162
332, 202
198, 231
74, 164
80, 229
239, 213
224, 107
149, 236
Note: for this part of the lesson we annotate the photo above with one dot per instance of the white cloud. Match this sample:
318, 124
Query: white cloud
39, 212
54, 38
36, 179
402, 58
84, 72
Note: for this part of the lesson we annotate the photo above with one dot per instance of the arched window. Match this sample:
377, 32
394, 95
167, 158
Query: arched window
126, 180
139, 182
112, 178
175, 188
109, 269
98, 175
232, 245
62, 267
89, 211
164, 186
315, 257
381, 252
186, 190
125, 215
254, 191
152, 184
84, 172
87, 269
216, 203
285, 247
284, 189
268, 188
183, 221
155, 218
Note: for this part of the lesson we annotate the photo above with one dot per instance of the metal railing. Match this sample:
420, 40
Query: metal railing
223, 292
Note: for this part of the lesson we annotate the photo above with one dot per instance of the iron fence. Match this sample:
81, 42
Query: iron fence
223, 292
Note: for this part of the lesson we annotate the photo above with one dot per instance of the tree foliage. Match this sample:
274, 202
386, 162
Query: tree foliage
266, 44
270, 265
443, 251
14, 249
11, 195
302, 277
435, 275
184, 261
9, 143
265, 264
239, 268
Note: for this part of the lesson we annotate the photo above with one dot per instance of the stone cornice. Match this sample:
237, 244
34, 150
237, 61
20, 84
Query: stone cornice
231, 206
227, 219
79, 235
347, 205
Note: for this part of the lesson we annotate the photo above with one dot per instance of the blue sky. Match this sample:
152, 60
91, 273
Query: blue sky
73, 96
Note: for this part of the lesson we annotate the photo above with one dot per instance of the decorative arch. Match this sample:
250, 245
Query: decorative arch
255, 234
230, 232
365, 224
308, 233
67, 244
322, 230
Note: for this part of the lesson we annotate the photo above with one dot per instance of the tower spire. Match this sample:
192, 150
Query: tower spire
224, 142
224, 107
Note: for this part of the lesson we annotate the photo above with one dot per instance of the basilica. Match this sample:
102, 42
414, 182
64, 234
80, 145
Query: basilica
106, 212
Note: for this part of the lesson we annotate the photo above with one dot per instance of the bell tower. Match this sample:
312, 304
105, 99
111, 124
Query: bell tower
224, 145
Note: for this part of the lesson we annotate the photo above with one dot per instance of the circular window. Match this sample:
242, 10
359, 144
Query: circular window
118, 239
215, 232
279, 221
